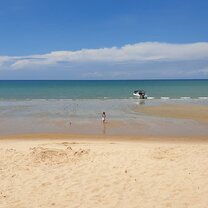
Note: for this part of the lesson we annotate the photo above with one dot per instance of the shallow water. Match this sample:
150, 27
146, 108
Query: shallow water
84, 116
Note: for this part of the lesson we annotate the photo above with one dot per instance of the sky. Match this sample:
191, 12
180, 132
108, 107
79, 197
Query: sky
103, 39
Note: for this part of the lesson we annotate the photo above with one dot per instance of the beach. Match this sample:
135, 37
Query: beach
89, 171
58, 152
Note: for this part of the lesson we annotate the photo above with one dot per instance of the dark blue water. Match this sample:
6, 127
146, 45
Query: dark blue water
101, 89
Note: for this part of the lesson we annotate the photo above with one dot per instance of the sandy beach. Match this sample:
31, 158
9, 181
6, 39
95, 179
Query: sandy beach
95, 171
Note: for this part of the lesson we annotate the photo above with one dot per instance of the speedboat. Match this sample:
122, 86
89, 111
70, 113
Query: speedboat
140, 93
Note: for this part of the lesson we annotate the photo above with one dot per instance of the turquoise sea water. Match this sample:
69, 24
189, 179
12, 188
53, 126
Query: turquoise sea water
102, 89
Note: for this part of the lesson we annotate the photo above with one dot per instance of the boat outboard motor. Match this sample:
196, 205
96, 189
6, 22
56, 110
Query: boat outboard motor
142, 94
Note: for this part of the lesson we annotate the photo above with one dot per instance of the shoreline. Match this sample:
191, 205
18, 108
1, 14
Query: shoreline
102, 138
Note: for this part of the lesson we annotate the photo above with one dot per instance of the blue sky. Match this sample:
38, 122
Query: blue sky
103, 39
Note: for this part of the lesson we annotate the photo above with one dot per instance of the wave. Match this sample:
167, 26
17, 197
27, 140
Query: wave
165, 98
150, 98
203, 98
185, 98
103, 98
175, 98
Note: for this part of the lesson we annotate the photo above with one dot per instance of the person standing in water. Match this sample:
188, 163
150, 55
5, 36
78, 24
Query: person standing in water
103, 117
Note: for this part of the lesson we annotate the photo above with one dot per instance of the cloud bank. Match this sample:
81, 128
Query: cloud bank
137, 55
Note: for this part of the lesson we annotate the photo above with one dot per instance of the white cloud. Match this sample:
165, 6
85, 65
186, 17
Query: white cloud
203, 71
140, 52
25, 63
4, 59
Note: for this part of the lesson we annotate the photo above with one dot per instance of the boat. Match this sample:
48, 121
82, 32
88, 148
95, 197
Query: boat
140, 93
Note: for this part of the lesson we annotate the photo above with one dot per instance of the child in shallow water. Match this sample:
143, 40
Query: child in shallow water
103, 117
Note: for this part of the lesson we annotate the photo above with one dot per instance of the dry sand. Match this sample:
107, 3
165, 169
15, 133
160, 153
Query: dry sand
193, 112
102, 172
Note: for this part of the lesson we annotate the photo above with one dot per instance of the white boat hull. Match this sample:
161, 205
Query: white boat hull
138, 95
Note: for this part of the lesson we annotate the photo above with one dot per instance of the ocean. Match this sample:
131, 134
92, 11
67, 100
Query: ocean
76, 107
121, 89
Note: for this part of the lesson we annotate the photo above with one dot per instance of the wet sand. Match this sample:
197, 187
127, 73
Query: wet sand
192, 112
55, 170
